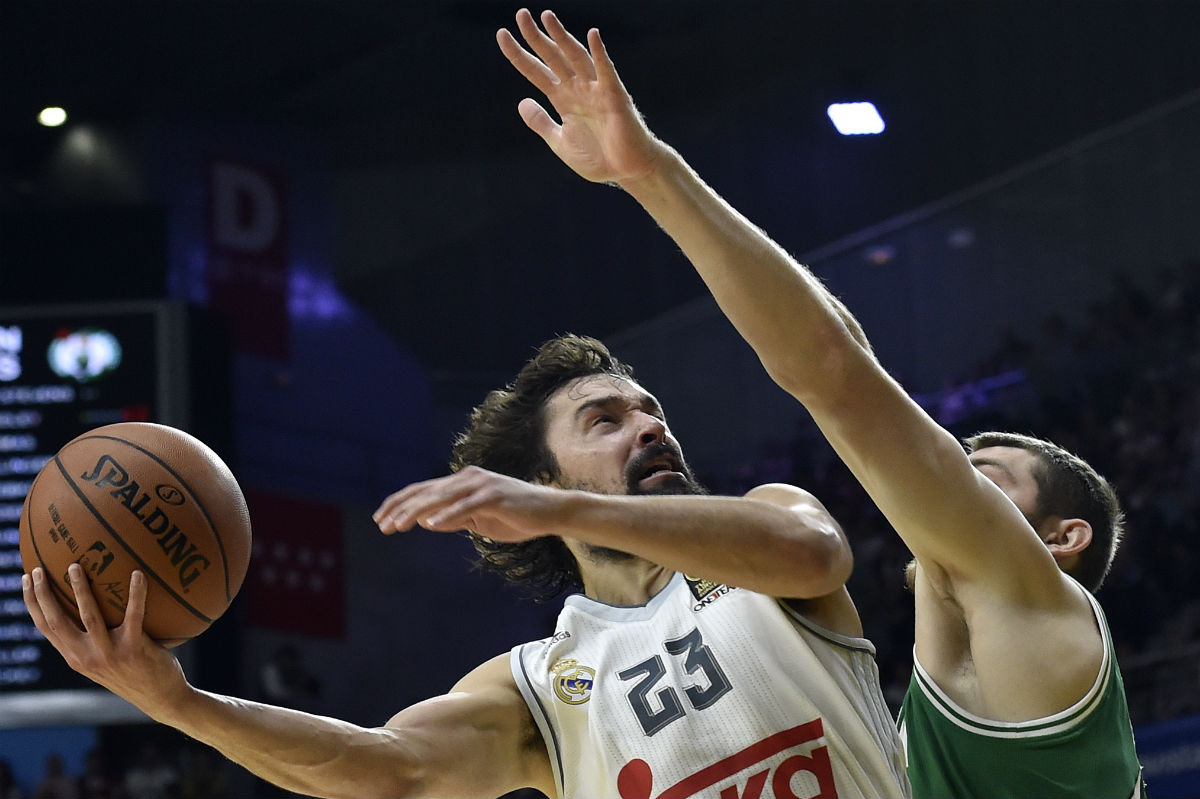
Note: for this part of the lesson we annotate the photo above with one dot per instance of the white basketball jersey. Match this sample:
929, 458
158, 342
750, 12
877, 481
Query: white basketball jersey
708, 691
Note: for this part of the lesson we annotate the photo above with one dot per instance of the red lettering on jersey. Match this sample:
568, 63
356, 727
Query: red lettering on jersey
817, 765
636, 779
754, 787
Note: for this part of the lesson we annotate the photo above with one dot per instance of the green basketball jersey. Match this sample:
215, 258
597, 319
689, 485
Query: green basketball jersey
1086, 750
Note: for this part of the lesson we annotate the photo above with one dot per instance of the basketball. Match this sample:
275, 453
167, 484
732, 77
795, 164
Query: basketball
137, 495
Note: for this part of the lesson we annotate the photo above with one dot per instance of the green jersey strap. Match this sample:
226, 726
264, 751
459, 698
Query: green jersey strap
1086, 750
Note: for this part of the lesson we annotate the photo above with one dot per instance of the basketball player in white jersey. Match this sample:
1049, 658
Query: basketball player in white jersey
750, 678
1016, 688
713, 649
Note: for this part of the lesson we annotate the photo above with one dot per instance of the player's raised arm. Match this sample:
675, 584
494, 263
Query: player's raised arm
478, 740
916, 472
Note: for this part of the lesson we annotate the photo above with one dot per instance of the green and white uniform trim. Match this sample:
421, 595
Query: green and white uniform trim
1086, 750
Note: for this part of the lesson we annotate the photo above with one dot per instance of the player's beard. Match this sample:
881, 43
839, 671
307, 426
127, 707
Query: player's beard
685, 485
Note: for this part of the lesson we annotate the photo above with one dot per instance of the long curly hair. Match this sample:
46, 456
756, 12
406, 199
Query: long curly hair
507, 434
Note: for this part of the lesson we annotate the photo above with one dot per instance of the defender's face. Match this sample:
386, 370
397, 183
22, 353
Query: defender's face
609, 435
1011, 469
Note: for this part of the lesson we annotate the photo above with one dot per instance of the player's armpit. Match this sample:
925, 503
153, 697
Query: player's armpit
477, 740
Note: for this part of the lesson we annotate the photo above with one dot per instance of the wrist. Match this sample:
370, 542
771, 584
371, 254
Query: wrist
175, 707
663, 167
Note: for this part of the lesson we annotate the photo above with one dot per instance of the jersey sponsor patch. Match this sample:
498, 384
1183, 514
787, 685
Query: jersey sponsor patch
706, 592
572, 682
700, 588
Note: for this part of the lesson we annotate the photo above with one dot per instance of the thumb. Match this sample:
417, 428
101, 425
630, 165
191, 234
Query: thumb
538, 120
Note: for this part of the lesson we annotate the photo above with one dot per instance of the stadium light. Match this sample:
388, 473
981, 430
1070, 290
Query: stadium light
855, 119
52, 116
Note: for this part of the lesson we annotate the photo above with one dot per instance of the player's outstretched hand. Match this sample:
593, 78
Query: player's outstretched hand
601, 135
124, 660
493, 505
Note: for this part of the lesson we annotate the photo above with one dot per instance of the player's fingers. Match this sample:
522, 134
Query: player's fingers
34, 606
85, 600
417, 507
395, 500
543, 46
386, 508
575, 53
55, 623
606, 70
454, 516
434, 495
459, 512
534, 70
135, 608
392, 516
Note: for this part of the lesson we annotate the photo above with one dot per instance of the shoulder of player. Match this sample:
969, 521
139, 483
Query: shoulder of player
981, 647
805, 505
485, 713
487, 696
493, 673
493, 682
782, 494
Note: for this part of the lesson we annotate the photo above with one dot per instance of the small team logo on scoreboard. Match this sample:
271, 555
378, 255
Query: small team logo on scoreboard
572, 682
84, 354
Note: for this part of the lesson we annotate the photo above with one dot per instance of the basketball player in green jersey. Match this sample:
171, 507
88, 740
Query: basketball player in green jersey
1016, 691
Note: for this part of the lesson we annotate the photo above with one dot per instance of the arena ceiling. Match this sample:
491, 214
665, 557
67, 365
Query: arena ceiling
969, 89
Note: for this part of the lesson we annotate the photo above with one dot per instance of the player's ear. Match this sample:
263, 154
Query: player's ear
1067, 538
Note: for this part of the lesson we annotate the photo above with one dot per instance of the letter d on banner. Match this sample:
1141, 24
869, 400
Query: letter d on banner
247, 265
246, 209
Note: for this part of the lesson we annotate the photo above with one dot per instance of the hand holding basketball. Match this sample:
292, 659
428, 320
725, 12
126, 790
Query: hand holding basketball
140, 496
123, 660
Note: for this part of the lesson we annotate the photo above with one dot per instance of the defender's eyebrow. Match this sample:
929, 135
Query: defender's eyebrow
977, 462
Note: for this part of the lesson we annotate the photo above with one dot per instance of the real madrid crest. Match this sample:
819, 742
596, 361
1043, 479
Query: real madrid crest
572, 682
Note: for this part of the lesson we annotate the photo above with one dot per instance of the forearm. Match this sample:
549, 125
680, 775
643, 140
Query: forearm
799, 330
300, 752
781, 551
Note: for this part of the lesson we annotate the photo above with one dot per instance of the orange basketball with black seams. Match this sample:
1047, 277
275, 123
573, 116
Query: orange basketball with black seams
137, 495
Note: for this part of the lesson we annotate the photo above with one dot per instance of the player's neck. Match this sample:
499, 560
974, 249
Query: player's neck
628, 582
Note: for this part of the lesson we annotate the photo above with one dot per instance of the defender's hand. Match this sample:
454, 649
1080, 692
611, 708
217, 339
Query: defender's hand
602, 136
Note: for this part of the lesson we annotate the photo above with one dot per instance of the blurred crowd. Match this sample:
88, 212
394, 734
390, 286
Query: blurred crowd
161, 767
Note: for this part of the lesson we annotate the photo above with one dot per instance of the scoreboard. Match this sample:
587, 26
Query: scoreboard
63, 371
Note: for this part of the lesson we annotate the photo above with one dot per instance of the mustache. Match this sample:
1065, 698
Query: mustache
637, 467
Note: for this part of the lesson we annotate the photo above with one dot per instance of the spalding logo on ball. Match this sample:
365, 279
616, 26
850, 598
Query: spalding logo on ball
142, 496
